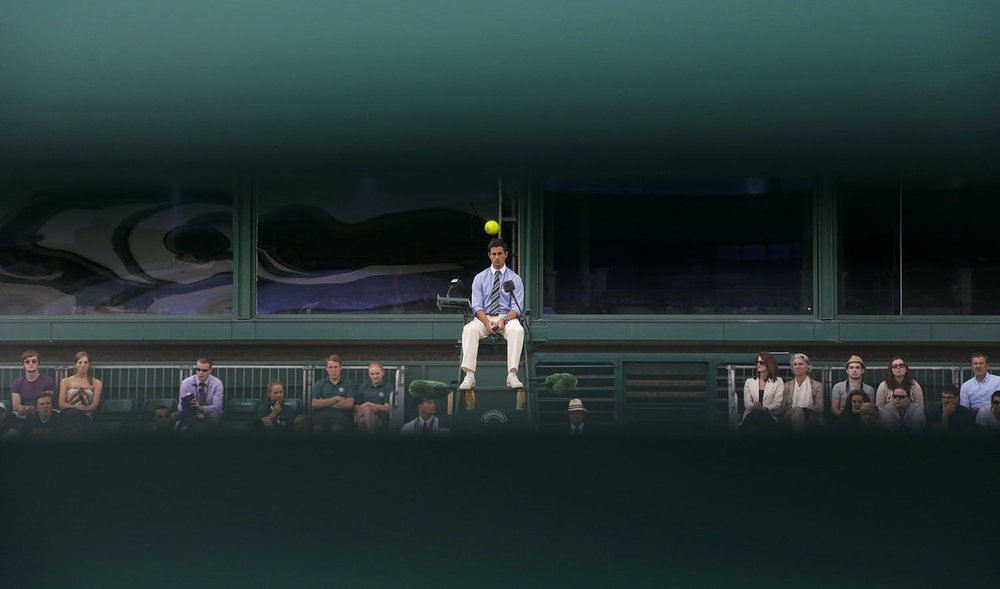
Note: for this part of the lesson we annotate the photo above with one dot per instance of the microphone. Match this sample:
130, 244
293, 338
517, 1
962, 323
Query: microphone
508, 287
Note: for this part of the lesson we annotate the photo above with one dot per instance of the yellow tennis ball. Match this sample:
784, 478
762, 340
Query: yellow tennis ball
492, 227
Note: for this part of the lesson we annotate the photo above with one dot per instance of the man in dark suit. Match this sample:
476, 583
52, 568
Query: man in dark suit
577, 415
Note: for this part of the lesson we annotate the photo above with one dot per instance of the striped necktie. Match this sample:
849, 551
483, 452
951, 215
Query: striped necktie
494, 307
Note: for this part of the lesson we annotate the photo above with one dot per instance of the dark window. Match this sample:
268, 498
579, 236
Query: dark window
142, 246
869, 248
638, 244
370, 244
937, 238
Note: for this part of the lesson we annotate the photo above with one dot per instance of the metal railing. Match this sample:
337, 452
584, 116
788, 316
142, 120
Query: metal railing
931, 379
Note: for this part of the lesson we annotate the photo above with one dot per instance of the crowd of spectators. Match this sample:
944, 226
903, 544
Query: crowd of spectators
337, 405
897, 405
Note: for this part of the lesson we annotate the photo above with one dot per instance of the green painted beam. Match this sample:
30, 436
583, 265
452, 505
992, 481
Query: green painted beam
435, 328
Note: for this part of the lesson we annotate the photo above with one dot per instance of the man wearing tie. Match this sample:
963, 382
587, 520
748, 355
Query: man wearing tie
496, 311
204, 393
426, 422
577, 415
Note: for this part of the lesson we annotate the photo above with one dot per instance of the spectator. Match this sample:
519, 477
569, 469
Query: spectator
989, 419
576, 413
161, 424
868, 415
855, 368
850, 418
426, 422
371, 410
79, 393
496, 311
904, 414
762, 395
25, 390
898, 374
201, 398
42, 422
802, 397
948, 415
274, 414
6, 421
977, 391
332, 399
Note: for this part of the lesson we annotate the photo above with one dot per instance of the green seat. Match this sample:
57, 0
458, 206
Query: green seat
117, 410
241, 409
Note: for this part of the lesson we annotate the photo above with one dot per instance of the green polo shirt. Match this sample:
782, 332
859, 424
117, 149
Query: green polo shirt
366, 393
325, 389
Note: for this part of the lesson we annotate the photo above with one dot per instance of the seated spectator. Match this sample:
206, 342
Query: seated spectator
576, 413
332, 400
161, 425
762, 395
976, 392
948, 415
903, 415
79, 394
855, 368
25, 390
850, 419
200, 399
868, 415
426, 421
42, 422
898, 374
802, 397
274, 414
6, 431
989, 419
371, 409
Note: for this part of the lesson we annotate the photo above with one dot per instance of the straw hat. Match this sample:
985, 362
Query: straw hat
576, 405
855, 358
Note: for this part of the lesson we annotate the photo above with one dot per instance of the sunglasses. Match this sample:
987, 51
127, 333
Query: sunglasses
760, 362
202, 369
900, 396
899, 365
31, 361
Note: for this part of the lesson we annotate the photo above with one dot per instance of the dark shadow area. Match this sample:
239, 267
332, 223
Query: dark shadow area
502, 512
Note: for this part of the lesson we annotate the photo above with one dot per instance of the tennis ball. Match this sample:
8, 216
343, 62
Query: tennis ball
492, 227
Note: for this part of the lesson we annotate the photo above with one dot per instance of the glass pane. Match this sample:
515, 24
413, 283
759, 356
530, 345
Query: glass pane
671, 245
951, 250
868, 248
139, 246
373, 244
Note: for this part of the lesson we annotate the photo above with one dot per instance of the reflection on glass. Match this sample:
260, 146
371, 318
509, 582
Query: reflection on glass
665, 245
377, 244
147, 246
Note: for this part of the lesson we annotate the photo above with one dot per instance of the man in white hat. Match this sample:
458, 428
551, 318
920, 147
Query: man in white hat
577, 415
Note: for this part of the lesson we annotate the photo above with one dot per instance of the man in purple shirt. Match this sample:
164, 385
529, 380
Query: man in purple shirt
201, 395
496, 311
25, 390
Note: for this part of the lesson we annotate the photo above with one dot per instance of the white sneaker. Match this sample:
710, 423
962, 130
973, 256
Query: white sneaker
469, 382
512, 381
